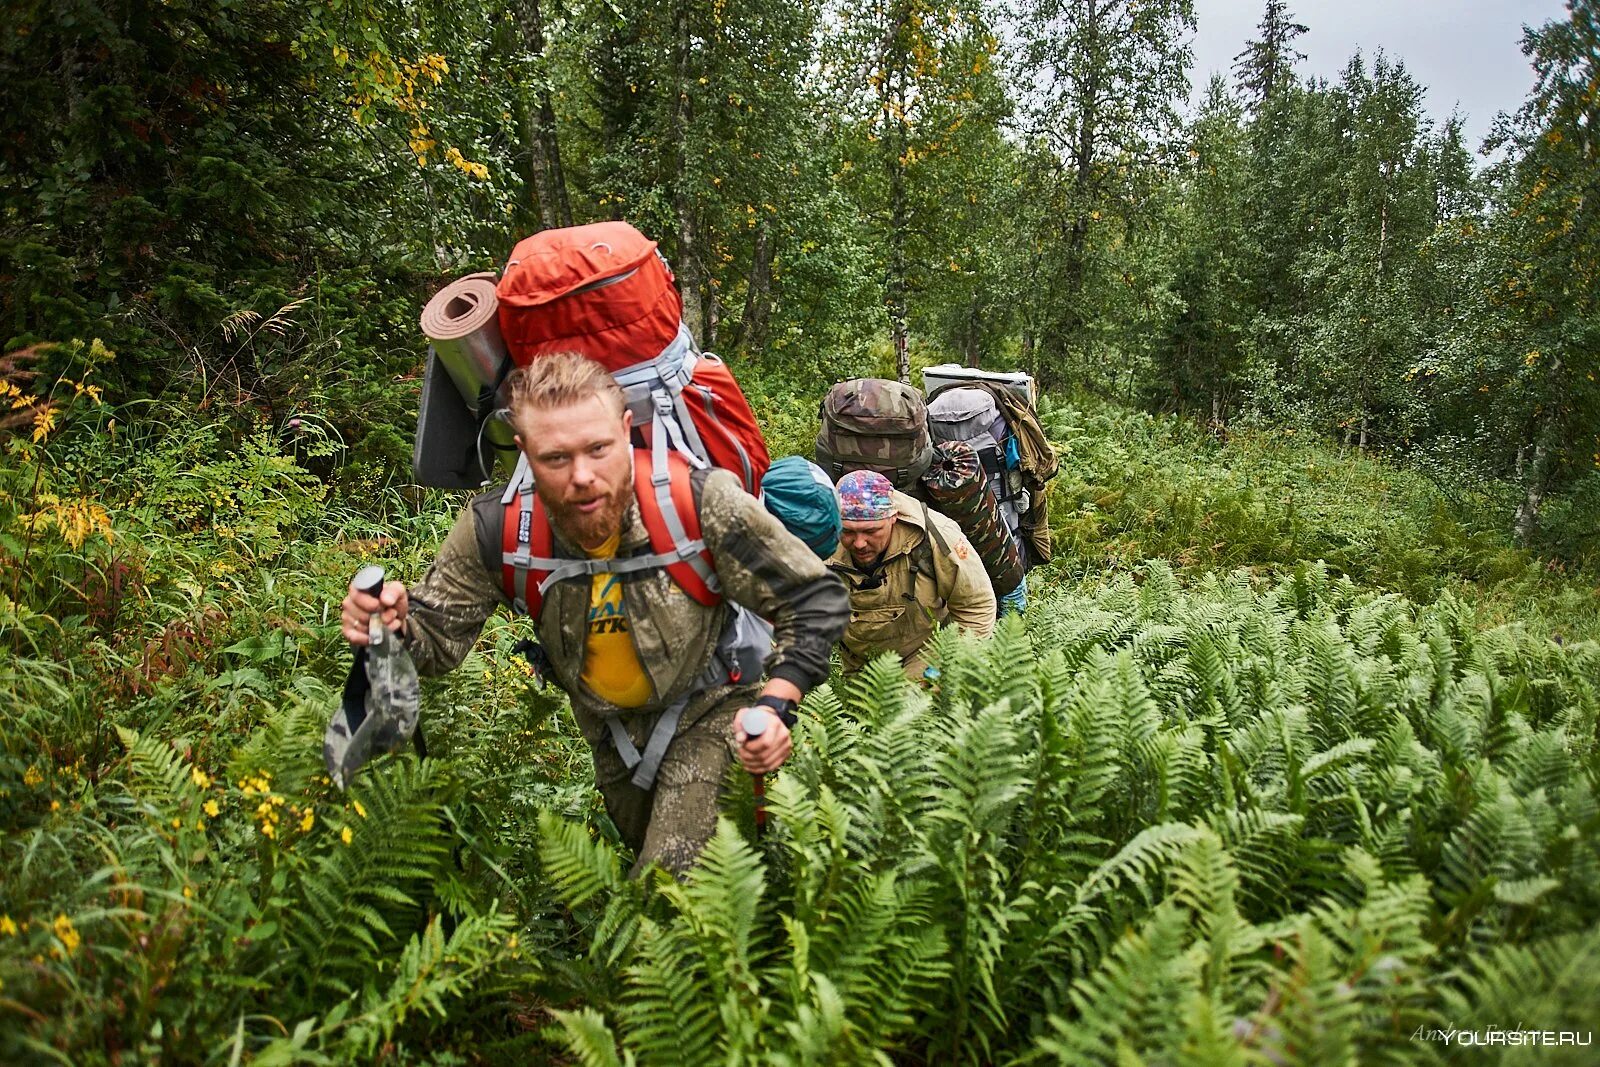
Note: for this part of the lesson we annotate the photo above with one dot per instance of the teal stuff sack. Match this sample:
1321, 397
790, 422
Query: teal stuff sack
801, 497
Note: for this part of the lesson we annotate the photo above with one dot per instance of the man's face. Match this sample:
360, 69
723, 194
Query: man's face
582, 466
866, 541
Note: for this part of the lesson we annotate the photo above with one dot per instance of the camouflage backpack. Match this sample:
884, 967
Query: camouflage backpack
878, 425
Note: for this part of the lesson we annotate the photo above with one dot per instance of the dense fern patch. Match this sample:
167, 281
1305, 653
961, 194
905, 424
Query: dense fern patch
1167, 825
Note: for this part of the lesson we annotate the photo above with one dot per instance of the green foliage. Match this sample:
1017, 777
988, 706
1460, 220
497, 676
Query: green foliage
1214, 801
1045, 858
1237, 795
1137, 487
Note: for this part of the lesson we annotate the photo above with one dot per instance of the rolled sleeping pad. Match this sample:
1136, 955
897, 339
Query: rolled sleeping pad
462, 323
456, 447
956, 485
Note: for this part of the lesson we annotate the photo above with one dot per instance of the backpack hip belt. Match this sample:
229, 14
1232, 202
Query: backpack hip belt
740, 653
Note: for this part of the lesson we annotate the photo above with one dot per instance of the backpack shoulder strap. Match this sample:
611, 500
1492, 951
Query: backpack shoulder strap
922, 557
527, 544
669, 507
516, 541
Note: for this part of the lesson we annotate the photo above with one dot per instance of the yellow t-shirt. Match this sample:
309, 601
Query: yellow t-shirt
611, 666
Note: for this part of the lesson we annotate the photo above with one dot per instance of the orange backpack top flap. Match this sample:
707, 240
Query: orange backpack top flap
601, 290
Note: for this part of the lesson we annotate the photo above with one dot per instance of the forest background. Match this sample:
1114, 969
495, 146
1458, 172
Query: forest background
1012, 186
1300, 322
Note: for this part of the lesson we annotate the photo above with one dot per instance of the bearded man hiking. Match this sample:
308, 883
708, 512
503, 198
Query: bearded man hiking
659, 680
909, 570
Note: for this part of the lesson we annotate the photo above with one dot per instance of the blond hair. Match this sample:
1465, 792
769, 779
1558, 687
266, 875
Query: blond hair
559, 380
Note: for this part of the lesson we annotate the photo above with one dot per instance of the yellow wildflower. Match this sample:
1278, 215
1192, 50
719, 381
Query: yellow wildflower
55, 805
345, 835
212, 809
268, 830
200, 778
176, 822
7, 926
188, 892
307, 822
32, 777
68, 937
359, 809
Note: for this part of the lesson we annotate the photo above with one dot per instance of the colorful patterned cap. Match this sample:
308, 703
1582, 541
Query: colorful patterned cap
865, 496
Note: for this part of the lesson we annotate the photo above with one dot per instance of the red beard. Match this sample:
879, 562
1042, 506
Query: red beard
587, 529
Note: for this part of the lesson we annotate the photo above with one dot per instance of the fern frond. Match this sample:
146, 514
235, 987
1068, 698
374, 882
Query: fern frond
1139, 861
580, 866
432, 970
591, 1040
1125, 1006
162, 780
353, 897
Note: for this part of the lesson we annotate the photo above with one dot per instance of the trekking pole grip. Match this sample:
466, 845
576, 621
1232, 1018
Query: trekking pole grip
369, 579
754, 724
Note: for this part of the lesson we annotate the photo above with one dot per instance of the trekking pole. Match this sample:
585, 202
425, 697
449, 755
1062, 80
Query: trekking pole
755, 724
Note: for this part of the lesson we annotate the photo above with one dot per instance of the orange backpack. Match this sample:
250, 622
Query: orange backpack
604, 291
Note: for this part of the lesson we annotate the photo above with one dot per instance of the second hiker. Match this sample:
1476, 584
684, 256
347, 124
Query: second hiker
909, 570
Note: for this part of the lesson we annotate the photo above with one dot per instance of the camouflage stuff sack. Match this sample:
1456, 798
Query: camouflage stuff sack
379, 712
875, 424
1035, 461
958, 486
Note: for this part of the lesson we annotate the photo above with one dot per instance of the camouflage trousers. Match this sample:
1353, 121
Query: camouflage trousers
671, 822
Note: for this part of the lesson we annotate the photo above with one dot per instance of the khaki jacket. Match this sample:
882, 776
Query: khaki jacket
759, 564
927, 582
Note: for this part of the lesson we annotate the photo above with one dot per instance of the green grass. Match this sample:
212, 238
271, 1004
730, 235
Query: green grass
1135, 487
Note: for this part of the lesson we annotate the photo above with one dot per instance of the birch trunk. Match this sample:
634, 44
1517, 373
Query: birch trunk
691, 278
544, 147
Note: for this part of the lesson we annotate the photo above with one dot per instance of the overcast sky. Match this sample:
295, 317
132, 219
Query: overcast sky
1466, 55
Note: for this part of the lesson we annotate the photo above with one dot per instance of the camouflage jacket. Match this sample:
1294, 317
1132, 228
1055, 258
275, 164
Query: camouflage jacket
926, 578
759, 564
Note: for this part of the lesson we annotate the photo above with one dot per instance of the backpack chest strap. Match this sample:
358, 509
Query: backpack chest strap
553, 570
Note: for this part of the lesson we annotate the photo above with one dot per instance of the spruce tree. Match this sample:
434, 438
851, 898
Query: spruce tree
1266, 66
